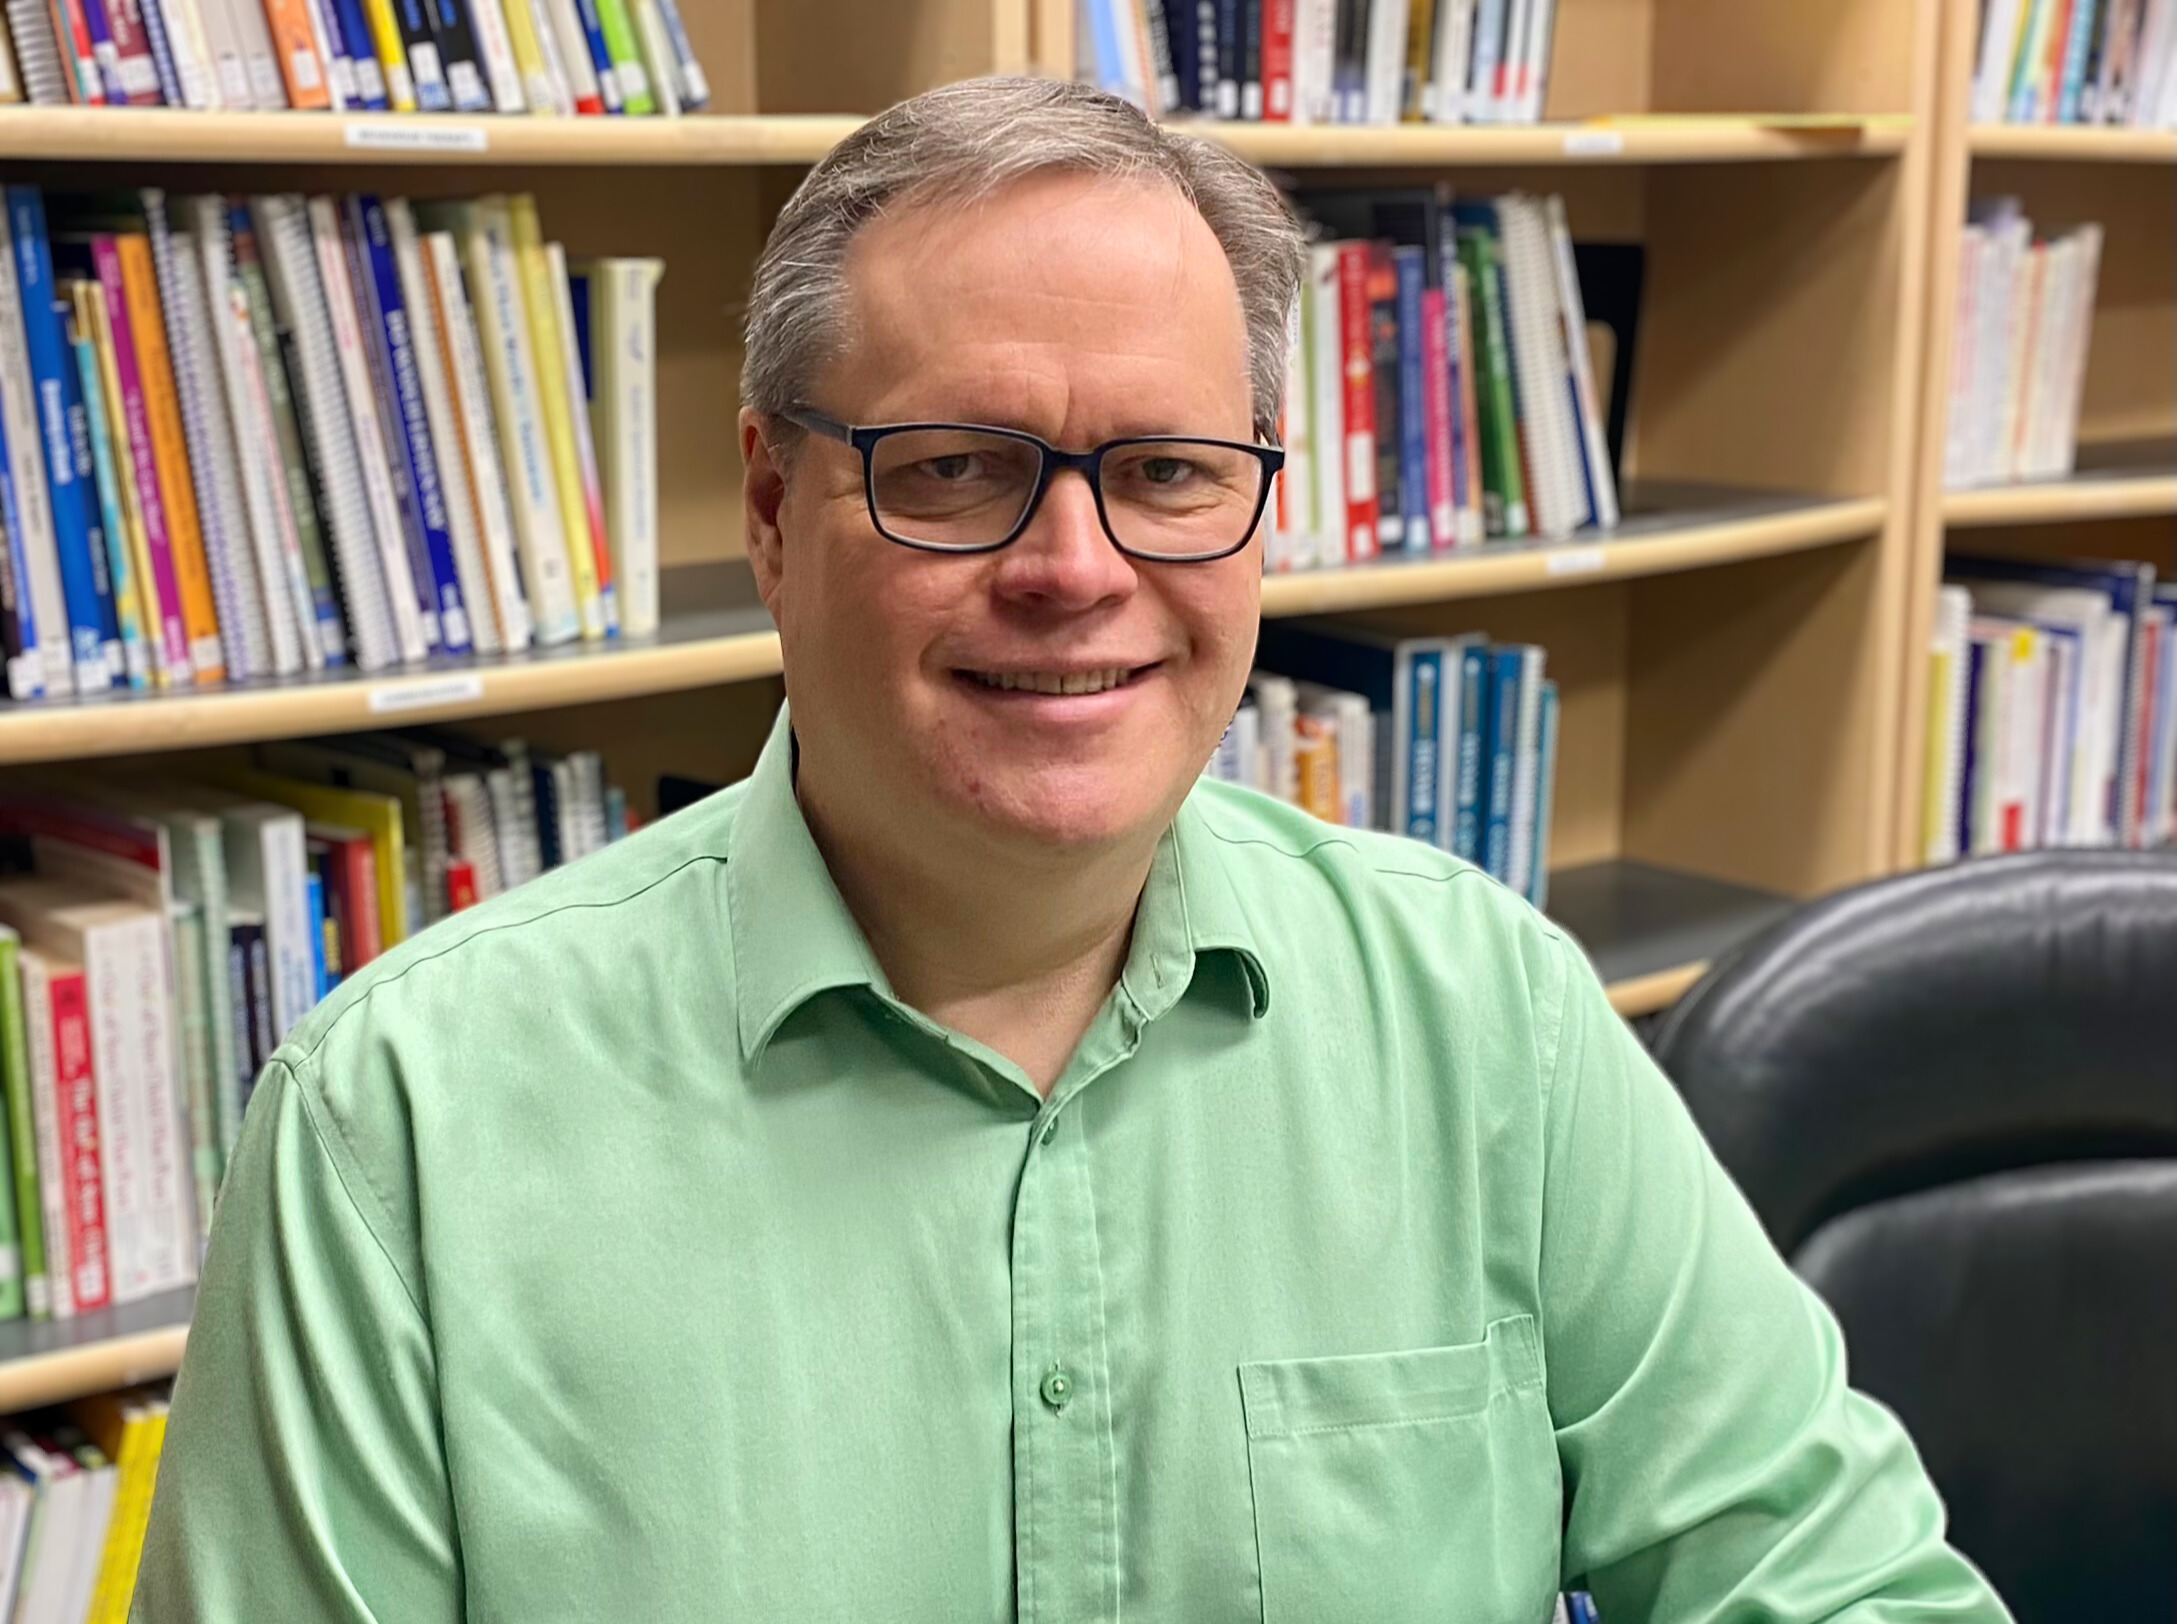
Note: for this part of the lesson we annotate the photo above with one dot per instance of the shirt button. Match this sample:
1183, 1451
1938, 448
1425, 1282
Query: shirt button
1057, 1388
1049, 1128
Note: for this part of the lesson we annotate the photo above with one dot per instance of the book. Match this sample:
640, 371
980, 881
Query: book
129, 1427
1520, 848
42, 652
1415, 511
540, 304
64, 1110
27, 1219
1538, 884
589, 487
1500, 758
1358, 406
592, 31
86, 324
617, 312
1504, 496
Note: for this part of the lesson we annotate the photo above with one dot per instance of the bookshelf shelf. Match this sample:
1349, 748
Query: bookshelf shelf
693, 651
2121, 481
1651, 931
1671, 529
163, 135
49, 1361
2072, 143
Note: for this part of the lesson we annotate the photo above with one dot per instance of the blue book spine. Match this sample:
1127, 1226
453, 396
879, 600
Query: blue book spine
2075, 53
370, 79
1469, 804
415, 436
1205, 56
52, 371
1185, 40
314, 889
1482, 68
101, 530
25, 680
1228, 59
608, 76
1413, 427
1580, 1606
105, 480
162, 54
1507, 668
1424, 745
1545, 785
432, 96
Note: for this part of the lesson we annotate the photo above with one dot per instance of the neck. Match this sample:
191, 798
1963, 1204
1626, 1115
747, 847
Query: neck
1016, 949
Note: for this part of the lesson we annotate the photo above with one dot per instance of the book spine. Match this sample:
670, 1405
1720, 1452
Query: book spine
691, 86
1423, 746
26, 457
564, 27
599, 55
1506, 665
448, 458
49, 1119
370, 458
82, 1158
194, 68
100, 536
44, 70
540, 307
1459, 302
2076, 51
105, 480
199, 1064
1359, 405
320, 607
495, 49
469, 395
1504, 492
110, 996
18, 627
1602, 482
373, 93
660, 68
1526, 760
455, 34
331, 45
1383, 355
177, 562
1414, 505
72, 28
1469, 804
384, 26
624, 54
1538, 887
22, 1132
51, 371
540, 91
1483, 62
585, 451
421, 464
420, 50
626, 350
156, 604
133, 77
1277, 61
1440, 442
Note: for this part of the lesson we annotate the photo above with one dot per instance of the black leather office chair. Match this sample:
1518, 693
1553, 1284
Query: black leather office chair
1952, 1098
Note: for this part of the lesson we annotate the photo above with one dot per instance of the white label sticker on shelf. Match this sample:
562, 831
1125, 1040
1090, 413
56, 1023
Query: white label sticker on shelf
404, 696
1593, 143
419, 135
1575, 561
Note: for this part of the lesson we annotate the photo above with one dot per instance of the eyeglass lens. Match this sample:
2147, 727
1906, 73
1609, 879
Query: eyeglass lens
962, 488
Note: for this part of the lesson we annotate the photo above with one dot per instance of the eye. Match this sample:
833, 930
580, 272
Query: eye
1165, 470
953, 468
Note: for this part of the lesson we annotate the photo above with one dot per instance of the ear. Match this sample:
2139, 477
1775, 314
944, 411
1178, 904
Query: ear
763, 493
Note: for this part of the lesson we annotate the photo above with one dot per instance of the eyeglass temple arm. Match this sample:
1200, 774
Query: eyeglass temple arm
817, 423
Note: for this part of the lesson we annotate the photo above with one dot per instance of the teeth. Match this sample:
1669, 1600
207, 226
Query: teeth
1052, 682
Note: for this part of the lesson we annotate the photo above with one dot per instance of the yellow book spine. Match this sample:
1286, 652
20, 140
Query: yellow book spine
541, 304
130, 1554
385, 39
521, 29
170, 456
143, 599
1932, 809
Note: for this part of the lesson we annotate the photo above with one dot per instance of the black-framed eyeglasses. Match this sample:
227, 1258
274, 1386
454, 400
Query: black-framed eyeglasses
969, 488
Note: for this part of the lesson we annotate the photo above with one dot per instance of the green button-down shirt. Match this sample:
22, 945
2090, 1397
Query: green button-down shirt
623, 1250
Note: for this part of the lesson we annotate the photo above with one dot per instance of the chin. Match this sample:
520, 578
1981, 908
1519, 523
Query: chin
1076, 809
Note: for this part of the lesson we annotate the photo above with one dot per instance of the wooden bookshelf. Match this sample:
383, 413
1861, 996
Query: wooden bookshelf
50, 1361
2072, 143
1650, 931
2125, 485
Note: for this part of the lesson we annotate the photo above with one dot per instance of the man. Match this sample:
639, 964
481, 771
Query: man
972, 1170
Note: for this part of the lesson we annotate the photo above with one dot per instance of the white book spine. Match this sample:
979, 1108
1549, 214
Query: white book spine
1385, 61
2071, 381
479, 441
496, 46
243, 439
1957, 410
1593, 432
565, 29
52, 668
655, 45
267, 88
1560, 500
220, 509
286, 858
290, 260
370, 447
2034, 360
512, 370
1326, 371
1992, 77
110, 987
193, 64
37, 54
1534, 67
225, 51
2025, 292
445, 434
171, 1225
1315, 25
46, 1124
1294, 506
340, 83
1454, 40
629, 418
1954, 605
1504, 98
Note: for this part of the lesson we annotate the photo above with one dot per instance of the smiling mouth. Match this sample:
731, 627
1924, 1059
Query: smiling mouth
1057, 682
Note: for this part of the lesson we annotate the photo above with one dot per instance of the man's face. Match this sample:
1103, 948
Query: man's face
1077, 310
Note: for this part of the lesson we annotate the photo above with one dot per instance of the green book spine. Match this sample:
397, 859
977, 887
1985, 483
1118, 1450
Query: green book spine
627, 58
23, 1222
1501, 483
193, 996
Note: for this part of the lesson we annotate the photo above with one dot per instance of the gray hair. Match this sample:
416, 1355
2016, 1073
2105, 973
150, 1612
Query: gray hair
967, 139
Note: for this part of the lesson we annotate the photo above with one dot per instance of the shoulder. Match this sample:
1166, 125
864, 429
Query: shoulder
579, 928
1398, 916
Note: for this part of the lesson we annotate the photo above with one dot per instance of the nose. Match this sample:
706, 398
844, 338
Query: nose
1063, 560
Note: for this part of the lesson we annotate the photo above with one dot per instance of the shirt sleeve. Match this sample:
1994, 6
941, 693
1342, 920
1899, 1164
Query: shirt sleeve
1717, 1464
302, 1477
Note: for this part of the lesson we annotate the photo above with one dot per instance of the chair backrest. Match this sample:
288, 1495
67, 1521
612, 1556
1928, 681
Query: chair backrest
1952, 1097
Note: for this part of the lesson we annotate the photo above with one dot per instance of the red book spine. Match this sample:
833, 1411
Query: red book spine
1277, 61
132, 45
81, 1186
2151, 654
359, 874
460, 884
1436, 419
1356, 344
72, 29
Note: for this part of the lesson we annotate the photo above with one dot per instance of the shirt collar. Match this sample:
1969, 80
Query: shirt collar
793, 936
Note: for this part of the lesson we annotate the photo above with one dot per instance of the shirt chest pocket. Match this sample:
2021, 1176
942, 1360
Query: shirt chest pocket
1406, 1488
